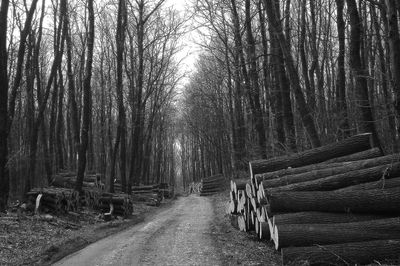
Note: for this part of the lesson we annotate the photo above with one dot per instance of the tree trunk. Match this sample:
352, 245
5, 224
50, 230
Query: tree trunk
394, 44
384, 77
33, 139
60, 123
348, 146
380, 184
359, 72
298, 235
20, 60
342, 254
375, 201
72, 93
87, 101
121, 129
255, 88
304, 110
341, 105
336, 162
362, 155
328, 171
4, 177
321, 218
343, 180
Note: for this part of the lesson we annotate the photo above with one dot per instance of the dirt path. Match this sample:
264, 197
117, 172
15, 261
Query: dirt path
179, 235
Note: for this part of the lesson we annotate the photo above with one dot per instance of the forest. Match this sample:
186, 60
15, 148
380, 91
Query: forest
96, 86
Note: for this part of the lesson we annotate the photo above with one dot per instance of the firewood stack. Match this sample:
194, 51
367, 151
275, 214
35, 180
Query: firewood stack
150, 194
68, 180
212, 185
337, 204
55, 200
194, 187
116, 204
166, 190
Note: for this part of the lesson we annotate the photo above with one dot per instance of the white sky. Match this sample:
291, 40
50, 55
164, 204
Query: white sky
189, 50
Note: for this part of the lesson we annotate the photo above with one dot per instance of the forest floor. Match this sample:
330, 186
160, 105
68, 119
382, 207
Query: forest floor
195, 229
239, 248
43, 239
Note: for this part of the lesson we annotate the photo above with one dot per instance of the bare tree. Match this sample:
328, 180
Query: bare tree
121, 130
304, 110
361, 85
87, 100
4, 177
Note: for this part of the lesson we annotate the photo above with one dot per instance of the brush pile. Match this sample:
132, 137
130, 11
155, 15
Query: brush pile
336, 204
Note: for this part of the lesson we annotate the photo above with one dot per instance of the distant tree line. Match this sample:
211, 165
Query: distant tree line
280, 76
87, 86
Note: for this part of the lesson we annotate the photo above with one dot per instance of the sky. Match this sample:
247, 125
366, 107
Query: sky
189, 51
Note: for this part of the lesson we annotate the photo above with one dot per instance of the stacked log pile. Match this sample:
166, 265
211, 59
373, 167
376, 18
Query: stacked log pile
337, 204
194, 187
151, 194
68, 179
212, 185
55, 200
116, 204
62, 198
166, 190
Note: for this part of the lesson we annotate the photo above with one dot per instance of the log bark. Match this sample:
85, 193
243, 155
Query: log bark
212, 185
362, 155
300, 235
336, 162
4, 175
264, 232
342, 254
208, 193
375, 201
214, 181
380, 184
317, 174
239, 185
321, 218
343, 180
213, 177
348, 146
293, 171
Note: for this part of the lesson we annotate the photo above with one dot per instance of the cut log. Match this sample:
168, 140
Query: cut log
211, 189
264, 232
342, 254
362, 155
234, 221
322, 218
343, 180
214, 185
300, 235
257, 227
241, 223
249, 191
147, 187
330, 171
233, 206
304, 169
374, 201
380, 184
213, 177
240, 185
348, 146
204, 194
